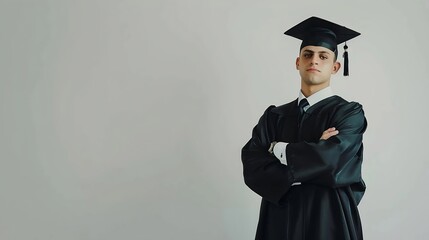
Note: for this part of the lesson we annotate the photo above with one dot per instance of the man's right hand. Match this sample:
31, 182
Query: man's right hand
329, 133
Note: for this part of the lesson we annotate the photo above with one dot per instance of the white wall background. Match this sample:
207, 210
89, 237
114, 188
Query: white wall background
125, 119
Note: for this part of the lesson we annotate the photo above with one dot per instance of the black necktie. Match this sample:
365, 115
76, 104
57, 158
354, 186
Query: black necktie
302, 104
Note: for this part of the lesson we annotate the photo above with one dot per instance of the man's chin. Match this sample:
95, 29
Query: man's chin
313, 81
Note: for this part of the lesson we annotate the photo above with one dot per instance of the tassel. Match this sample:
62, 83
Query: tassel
346, 60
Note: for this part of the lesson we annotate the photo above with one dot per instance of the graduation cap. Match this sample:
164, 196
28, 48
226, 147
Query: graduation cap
315, 31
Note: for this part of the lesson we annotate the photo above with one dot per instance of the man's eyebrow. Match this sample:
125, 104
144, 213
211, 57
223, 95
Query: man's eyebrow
306, 50
310, 51
326, 52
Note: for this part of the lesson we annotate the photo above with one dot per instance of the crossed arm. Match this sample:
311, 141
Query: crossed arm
325, 136
333, 161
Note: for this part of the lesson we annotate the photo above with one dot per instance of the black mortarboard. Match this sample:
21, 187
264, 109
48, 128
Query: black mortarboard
319, 32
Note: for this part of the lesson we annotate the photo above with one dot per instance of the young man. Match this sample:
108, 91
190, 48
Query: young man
304, 157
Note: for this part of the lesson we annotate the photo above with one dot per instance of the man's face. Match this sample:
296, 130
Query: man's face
316, 65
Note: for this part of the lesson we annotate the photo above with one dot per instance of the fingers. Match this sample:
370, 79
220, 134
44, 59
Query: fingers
329, 129
270, 150
329, 133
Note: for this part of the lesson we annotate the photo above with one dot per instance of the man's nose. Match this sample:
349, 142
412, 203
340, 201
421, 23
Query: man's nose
314, 60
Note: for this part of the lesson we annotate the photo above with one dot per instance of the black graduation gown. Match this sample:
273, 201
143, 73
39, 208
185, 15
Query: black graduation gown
324, 206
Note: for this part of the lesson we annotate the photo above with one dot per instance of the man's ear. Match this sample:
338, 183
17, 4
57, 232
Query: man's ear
336, 67
297, 63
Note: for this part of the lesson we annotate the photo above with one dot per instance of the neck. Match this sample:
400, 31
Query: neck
309, 90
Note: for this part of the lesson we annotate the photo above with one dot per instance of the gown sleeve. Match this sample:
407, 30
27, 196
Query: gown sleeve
263, 172
334, 162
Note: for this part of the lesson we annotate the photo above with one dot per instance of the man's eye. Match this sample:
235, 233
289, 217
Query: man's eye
306, 55
323, 57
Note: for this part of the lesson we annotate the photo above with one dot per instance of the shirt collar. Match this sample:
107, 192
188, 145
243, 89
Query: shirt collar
317, 96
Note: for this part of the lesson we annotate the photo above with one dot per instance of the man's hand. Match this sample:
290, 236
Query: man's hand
329, 133
271, 149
